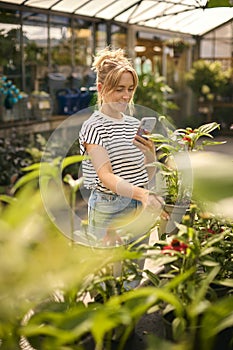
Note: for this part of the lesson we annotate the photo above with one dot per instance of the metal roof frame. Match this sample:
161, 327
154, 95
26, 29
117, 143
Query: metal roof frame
192, 17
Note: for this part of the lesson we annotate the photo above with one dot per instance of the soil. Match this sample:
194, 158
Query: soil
150, 324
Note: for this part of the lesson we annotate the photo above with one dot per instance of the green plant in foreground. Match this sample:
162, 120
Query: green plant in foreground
37, 263
52, 278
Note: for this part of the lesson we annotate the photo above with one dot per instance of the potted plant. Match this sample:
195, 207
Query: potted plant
177, 179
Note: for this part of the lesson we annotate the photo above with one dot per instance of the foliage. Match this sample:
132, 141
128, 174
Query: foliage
208, 79
46, 282
218, 3
44, 264
154, 93
19, 151
8, 47
67, 273
13, 157
200, 259
180, 141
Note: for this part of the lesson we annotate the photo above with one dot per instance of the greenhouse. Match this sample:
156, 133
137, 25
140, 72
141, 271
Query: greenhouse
116, 182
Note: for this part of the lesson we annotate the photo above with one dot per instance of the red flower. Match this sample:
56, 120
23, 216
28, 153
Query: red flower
191, 131
177, 246
213, 232
209, 230
187, 138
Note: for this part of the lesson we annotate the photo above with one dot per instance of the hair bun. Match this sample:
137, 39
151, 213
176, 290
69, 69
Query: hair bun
108, 57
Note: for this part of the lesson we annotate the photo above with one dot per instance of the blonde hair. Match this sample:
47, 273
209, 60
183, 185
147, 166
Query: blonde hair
109, 65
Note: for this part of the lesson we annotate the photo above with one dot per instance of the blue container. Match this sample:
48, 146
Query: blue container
75, 100
86, 96
68, 101
64, 101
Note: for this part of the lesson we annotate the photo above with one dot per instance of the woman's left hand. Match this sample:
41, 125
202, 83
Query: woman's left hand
145, 145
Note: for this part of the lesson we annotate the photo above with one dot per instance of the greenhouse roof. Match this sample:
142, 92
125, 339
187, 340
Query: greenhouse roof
195, 17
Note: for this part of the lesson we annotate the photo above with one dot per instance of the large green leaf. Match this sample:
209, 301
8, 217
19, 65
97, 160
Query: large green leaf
72, 160
219, 3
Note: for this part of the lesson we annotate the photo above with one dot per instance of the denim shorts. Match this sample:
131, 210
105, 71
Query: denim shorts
108, 214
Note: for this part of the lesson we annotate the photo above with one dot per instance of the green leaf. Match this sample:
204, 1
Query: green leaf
74, 184
108, 318
213, 143
31, 167
207, 128
72, 160
218, 3
7, 199
210, 263
180, 278
201, 292
153, 277
228, 282
178, 327
26, 179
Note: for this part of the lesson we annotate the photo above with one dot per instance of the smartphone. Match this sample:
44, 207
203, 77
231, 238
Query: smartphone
146, 126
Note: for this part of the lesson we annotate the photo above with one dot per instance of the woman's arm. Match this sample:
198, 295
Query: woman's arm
116, 184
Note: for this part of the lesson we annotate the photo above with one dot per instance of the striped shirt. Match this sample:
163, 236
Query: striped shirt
116, 136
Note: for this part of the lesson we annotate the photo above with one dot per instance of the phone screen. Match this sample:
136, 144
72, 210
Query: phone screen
146, 126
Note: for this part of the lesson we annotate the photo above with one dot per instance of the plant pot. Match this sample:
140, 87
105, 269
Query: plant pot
176, 213
167, 321
217, 291
224, 339
184, 330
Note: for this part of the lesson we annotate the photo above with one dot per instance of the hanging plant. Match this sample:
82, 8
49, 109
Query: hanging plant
10, 92
178, 45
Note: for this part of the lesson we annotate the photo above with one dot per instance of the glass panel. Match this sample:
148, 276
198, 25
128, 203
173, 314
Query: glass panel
10, 57
42, 4
61, 45
92, 8
217, 44
224, 41
206, 48
82, 75
101, 36
10, 64
68, 5
83, 42
60, 57
35, 37
118, 37
114, 8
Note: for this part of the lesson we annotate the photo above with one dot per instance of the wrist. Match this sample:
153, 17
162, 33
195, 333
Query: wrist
140, 194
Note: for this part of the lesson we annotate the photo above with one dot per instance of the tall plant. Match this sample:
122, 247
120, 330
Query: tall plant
153, 92
174, 143
208, 79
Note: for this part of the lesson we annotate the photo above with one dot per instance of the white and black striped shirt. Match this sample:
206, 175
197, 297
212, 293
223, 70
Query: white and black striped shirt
116, 136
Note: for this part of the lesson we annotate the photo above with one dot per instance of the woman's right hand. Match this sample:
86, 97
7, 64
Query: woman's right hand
155, 203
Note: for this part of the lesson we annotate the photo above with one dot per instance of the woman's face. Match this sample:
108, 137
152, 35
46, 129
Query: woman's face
119, 98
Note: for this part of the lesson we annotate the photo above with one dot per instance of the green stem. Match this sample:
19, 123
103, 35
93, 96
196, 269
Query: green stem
72, 204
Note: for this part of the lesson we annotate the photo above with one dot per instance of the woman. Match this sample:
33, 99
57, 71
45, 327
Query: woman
116, 172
